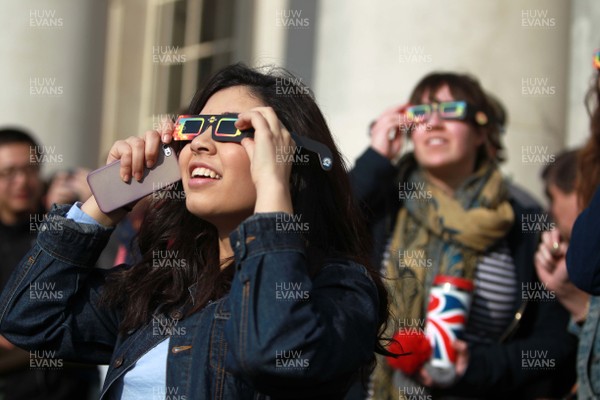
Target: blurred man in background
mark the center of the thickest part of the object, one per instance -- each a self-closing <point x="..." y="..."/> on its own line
<point x="21" y="191"/>
<point x="550" y="261"/>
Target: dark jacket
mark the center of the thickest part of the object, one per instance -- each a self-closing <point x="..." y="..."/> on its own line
<point x="22" y="376"/>
<point x="583" y="256"/>
<point x="278" y="332"/>
<point x="583" y="266"/>
<point x="498" y="370"/>
<point x="15" y="241"/>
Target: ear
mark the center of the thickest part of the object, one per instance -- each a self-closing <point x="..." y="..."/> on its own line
<point x="479" y="136"/>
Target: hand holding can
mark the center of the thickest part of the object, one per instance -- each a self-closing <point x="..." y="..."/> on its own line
<point x="449" y="304"/>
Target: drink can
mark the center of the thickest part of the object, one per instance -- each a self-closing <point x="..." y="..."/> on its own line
<point x="449" y="304"/>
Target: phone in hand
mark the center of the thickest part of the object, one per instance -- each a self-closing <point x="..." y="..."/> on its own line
<point x="111" y="192"/>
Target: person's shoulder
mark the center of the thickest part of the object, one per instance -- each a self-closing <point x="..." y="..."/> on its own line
<point x="341" y="264"/>
<point x="521" y="199"/>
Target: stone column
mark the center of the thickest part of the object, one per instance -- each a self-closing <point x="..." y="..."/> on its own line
<point x="52" y="65"/>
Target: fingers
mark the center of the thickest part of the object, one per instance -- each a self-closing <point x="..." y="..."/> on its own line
<point x="461" y="346"/>
<point x="542" y="264"/>
<point x="254" y="119"/>
<point x="268" y="166"/>
<point x="265" y="122"/>
<point x="395" y="110"/>
<point x="462" y="356"/>
<point x="552" y="242"/>
<point x="385" y="123"/>
<point x="551" y="247"/>
<point x="424" y="378"/>
<point x="385" y="132"/>
<point x="134" y="154"/>
<point x="269" y="132"/>
<point x="152" y="147"/>
<point x="165" y="129"/>
<point x="544" y="260"/>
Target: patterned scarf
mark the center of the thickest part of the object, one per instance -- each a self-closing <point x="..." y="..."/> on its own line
<point x="438" y="234"/>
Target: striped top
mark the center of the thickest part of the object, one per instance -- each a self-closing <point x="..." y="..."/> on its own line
<point x="494" y="297"/>
<point x="496" y="291"/>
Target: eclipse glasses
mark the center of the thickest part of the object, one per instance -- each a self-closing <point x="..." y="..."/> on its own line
<point x="187" y="127"/>
<point x="449" y="110"/>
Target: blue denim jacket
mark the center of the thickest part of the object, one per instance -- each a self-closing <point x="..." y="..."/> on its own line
<point x="253" y="343"/>
<point x="583" y="266"/>
<point x="588" y="353"/>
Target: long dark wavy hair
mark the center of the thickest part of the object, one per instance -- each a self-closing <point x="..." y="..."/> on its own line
<point x="323" y="198"/>
<point x="588" y="159"/>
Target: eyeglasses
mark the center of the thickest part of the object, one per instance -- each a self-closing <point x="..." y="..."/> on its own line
<point x="187" y="127"/>
<point x="597" y="59"/>
<point x="10" y="173"/>
<point x="449" y="110"/>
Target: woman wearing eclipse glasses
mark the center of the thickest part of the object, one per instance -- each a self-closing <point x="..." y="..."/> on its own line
<point x="448" y="235"/>
<point x="274" y="297"/>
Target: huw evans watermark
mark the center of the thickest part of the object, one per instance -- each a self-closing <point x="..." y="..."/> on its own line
<point x="291" y="291"/>
<point x="414" y="259"/>
<point x="285" y="222"/>
<point x="164" y="326"/>
<point x="45" y="86"/>
<point x="413" y="191"/>
<point x="291" y="19"/>
<point x="45" y="155"/>
<point x="44" y="291"/>
<point x="168" y="259"/>
<point x="290" y="359"/>
<point x="45" y="18"/>
<point x="44" y="359"/>
<point x="167" y="55"/>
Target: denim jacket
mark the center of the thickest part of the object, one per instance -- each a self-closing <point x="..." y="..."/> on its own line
<point x="583" y="266"/>
<point x="588" y="353"/>
<point x="277" y="334"/>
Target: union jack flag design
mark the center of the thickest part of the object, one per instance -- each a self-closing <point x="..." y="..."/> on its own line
<point x="446" y="319"/>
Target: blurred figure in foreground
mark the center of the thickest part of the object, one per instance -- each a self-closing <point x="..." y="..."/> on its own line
<point x="583" y="256"/>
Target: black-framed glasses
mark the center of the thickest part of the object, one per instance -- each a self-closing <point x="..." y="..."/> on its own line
<point x="187" y="127"/>
<point x="11" y="173"/>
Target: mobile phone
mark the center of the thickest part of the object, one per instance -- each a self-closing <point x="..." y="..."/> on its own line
<point x="111" y="192"/>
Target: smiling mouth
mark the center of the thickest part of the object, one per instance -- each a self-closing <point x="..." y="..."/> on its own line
<point x="201" y="172"/>
<point x="435" y="141"/>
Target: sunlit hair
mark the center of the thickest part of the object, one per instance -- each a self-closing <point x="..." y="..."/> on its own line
<point x="323" y="199"/>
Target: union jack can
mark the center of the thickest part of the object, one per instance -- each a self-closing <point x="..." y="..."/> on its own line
<point x="449" y="303"/>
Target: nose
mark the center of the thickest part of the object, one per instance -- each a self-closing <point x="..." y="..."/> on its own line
<point x="20" y="178"/>
<point x="204" y="142"/>
<point x="23" y="175"/>
<point x="434" y="119"/>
